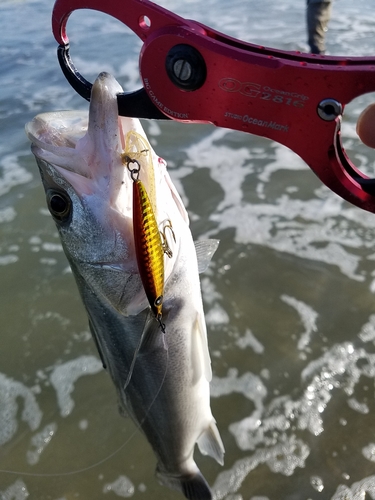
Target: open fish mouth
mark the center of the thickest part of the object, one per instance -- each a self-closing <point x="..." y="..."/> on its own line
<point x="68" y="128"/>
<point x="87" y="149"/>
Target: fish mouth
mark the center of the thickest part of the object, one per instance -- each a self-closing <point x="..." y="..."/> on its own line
<point x="87" y="148"/>
<point x="66" y="133"/>
<point x="68" y="128"/>
<point x="81" y="144"/>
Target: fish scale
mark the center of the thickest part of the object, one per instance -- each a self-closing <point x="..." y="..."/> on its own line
<point x="149" y="248"/>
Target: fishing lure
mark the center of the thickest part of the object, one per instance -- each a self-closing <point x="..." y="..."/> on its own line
<point x="148" y="242"/>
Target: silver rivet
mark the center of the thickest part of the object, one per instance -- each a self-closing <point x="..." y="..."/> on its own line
<point x="329" y="109"/>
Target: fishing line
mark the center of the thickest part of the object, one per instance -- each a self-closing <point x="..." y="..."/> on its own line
<point x="85" y="469"/>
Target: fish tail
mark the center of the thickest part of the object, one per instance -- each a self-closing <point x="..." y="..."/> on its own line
<point x="196" y="488"/>
<point x="193" y="486"/>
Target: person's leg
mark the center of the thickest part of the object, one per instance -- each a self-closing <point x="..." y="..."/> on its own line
<point x="318" y="16"/>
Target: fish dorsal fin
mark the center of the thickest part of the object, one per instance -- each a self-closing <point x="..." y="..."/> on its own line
<point x="205" y="250"/>
<point x="210" y="443"/>
<point x="201" y="362"/>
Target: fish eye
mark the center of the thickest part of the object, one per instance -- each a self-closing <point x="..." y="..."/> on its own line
<point x="59" y="204"/>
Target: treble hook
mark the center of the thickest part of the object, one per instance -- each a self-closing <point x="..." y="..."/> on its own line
<point x="166" y="247"/>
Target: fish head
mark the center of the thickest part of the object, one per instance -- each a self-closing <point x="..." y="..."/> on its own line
<point x="89" y="187"/>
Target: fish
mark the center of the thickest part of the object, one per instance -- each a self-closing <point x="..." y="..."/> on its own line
<point x="162" y="380"/>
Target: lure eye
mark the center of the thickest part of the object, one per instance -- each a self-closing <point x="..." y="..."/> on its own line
<point x="59" y="204"/>
<point x="158" y="302"/>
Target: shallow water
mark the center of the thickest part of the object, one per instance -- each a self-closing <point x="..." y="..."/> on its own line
<point x="289" y="296"/>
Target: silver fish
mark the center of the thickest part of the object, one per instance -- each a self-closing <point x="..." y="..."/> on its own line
<point x="162" y="379"/>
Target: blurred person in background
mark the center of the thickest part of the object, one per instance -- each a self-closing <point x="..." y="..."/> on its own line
<point x="318" y="16"/>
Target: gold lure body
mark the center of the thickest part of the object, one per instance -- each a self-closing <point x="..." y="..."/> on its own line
<point x="149" y="247"/>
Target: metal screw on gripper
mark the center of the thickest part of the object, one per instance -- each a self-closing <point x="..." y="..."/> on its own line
<point x="182" y="69"/>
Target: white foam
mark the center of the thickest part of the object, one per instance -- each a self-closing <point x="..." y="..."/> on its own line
<point x="129" y="71"/>
<point x="248" y="384"/>
<point x="249" y="340"/>
<point x="5" y="260"/>
<point x="217" y="316"/>
<point x="308" y="318"/>
<point x="318" y="226"/>
<point x="39" y="442"/>
<point x="56" y="96"/>
<point x="64" y="376"/>
<point x="209" y="292"/>
<point x="122" y="487"/>
<point x="282" y="458"/>
<point x="356" y="405"/>
<point x="11" y="172"/>
<point x="228" y="166"/>
<point x="17" y="491"/>
<point x="83" y="424"/>
<point x="51" y="316"/>
<point x="253" y="388"/>
<point x="7" y="214"/>
<point x="274" y="226"/>
<point x="367" y="333"/>
<point x="153" y="128"/>
<point x="52" y="247"/>
<point x="272" y="426"/>
<point x="317" y="483"/>
<point x="48" y="262"/>
<point x="369" y="452"/>
<point x="285" y="159"/>
<point x="358" y="491"/>
<point x="10" y="392"/>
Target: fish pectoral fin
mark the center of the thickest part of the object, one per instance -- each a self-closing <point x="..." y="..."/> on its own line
<point x="96" y="341"/>
<point x="153" y="337"/>
<point x="138" y="303"/>
<point x="210" y="443"/>
<point x="205" y="250"/>
<point x="200" y="354"/>
<point x="193" y="485"/>
<point x="121" y="408"/>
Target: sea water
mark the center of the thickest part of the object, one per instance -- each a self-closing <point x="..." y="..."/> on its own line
<point x="289" y="296"/>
